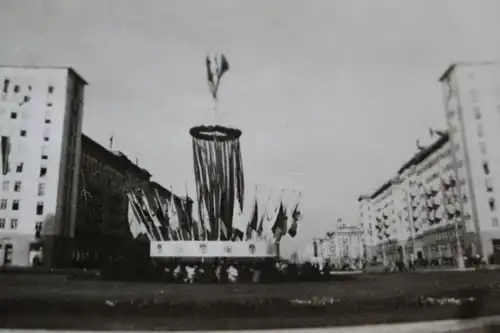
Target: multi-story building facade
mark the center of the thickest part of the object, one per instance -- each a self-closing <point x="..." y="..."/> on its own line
<point x="382" y="222"/>
<point x="471" y="94"/>
<point x="102" y="227"/>
<point x="41" y="111"/>
<point x="435" y="214"/>
<point x="423" y="210"/>
<point x="449" y="188"/>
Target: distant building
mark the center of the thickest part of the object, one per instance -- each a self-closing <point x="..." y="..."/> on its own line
<point x="471" y="93"/>
<point x="343" y="243"/>
<point x="41" y="111"/>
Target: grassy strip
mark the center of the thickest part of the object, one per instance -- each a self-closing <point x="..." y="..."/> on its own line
<point x="245" y="307"/>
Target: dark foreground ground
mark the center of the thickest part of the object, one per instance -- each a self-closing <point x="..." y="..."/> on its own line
<point x="55" y="302"/>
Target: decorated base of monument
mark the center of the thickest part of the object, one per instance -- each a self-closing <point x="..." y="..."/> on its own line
<point x="213" y="249"/>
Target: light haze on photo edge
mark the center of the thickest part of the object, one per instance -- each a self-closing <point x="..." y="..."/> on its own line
<point x="330" y="95"/>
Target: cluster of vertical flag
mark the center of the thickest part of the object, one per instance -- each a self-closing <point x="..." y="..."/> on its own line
<point x="158" y="218"/>
<point x="163" y="219"/>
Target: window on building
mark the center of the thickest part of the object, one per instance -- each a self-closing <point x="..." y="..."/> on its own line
<point x="486" y="168"/>
<point x="49" y="104"/>
<point x="39" y="208"/>
<point x="495" y="222"/>
<point x="43" y="171"/>
<point x="480" y="130"/>
<point x="491" y="202"/>
<point x="22" y="133"/>
<point x="38" y="229"/>
<point x="3" y="204"/>
<point x="5" y="185"/>
<point x="15" y="204"/>
<point x="51" y="89"/>
<point x="41" y="189"/>
<point x="17" y="186"/>
<point x="46" y="138"/>
<point x="47" y="121"/>
<point x="6" y="83"/>
<point x="45" y="157"/>
<point x="13" y="115"/>
<point x="17" y="88"/>
<point x="482" y="147"/>
<point x="13" y="223"/>
<point x="489" y="185"/>
<point x="19" y="167"/>
<point x="2" y="223"/>
<point x="477" y="112"/>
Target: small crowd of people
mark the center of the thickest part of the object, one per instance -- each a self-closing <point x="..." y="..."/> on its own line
<point x="244" y="272"/>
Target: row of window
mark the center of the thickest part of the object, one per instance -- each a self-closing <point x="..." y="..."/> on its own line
<point x="17" y="88"/>
<point x="14" y="115"/>
<point x="24" y="133"/>
<point x="18" y="187"/>
<point x="20" y="168"/>
<point x="14" y="222"/>
<point x="16" y="203"/>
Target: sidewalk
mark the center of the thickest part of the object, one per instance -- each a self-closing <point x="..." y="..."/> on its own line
<point x="478" y="325"/>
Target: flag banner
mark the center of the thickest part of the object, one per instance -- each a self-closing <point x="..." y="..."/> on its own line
<point x="237" y="235"/>
<point x="213" y="249"/>
<point x="218" y="170"/>
<point x="253" y="224"/>
<point x="280" y="223"/>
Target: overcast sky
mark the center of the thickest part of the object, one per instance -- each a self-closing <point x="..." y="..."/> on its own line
<point x="331" y="95"/>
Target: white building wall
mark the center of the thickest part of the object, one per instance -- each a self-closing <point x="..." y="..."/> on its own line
<point x="472" y="104"/>
<point x="44" y="118"/>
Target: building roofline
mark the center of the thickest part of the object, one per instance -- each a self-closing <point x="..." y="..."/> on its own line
<point x="363" y="197"/>
<point x="68" y="68"/>
<point x="448" y="70"/>
<point x="381" y="189"/>
<point x="424" y="153"/>
<point x="120" y="155"/>
<point x="416" y="159"/>
<point x="452" y="66"/>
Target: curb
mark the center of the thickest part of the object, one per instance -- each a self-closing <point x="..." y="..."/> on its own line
<point x="440" y="326"/>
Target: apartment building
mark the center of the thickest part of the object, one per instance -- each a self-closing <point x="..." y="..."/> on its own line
<point x="423" y="209"/>
<point x="41" y="111"/>
<point x="435" y="209"/>
<point x="451" y="187"/>
<point x="102" y="228"/>
<point x="471" y="95"/>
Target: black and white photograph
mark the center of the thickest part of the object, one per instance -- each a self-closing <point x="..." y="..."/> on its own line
<point x="250" y="165"/>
